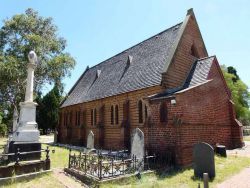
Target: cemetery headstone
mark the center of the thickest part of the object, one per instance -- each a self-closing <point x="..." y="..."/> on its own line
<point x="90" y="140"/>
<point x="203" y="158"/>
<point x="137" y="147"/>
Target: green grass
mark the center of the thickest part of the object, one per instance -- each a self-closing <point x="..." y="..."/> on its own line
<point x="225" y="167"/>
<point x="60" y="158"/>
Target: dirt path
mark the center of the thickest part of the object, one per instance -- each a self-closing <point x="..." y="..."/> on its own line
<point x="66" y="180"/>
<point x="241" y="180"/>
<point x="244" y="152"/>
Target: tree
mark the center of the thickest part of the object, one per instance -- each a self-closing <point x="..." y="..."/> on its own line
<point x="3" y="127"/>
<point x="48" y="109"/>
<point x="19" y="35"/>
<point x="240" y="94"/>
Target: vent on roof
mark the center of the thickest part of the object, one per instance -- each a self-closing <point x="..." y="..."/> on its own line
<point x="98" y="72"/>
<point x="129" y="61"/>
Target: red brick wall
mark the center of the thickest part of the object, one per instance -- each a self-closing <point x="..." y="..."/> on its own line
<point x="205" y="114"/>
<point x="113" y="135"/>
<point x="183" y="60"/>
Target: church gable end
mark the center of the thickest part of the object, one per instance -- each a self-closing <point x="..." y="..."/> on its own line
<point x="190" y="47"/>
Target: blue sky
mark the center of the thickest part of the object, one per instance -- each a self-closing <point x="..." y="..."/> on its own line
<point x="96" y="30"/>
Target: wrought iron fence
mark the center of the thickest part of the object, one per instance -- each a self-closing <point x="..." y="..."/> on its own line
<point x="102" y="166"/>
<point x="5" y="157"/>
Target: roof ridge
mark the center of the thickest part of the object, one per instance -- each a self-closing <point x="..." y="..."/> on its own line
<point x="136" y="45"/>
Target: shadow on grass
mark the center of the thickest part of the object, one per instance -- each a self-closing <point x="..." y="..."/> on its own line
<point x="171" y="172"/>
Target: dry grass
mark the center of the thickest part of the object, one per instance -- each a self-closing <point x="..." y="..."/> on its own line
<point x="225" y="167"/>
<point x="41" y="181"/>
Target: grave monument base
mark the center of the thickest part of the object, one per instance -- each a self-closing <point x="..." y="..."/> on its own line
<point x="25" y="147"/>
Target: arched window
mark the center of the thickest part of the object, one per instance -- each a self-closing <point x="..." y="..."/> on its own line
<point x="140" y="114"/>
<point x="92" y="117"/>
<point x="194" y="51"/>
<point x="112" y="115"/>
<point x="116" y="114"/>
<point x="163" y="112"/>
<point x="76" y="118"/>
<point x="95" y="117"/>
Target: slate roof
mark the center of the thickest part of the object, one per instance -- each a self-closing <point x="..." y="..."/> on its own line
<point x="197" y="75"/>
<point x="116" y="75"/>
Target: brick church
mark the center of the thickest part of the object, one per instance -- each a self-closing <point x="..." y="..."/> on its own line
<point x="167" y="85"/>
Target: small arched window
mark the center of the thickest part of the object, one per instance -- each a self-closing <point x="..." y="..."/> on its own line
<point x="140" y="114"/>
<point x="163" y="112"/>
<point x="112" y="115"/>
<point x="116" y="114"/>
<point x="194" y="51"/>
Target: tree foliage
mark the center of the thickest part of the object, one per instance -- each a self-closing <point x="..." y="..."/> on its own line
<point x="48" y="109"/>
<point x="3" y="127"/>
<point x="19" y="35"/>
<point x="240" y="94"/>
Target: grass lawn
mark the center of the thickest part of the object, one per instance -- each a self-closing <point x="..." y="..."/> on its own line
<point x="60" y="158"/>
<point x="41" y="181"/>
<point x="225" y="167"/>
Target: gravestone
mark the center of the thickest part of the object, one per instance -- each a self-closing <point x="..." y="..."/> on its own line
<point x="203" y="158"/>
<point x="137" y="147"/>
<point x="90" y="140"/>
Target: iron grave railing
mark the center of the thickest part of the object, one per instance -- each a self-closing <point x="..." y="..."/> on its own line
<point x="102" y="166"/>
<point x="6" y="158"/>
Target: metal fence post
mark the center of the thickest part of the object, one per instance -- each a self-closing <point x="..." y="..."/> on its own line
<point x="205" y="180"/>
<point x="47" y="153"/>
<point x="100" y="166"/>
<point x="17" y="155"/>
<point x="85" y="163"/>
<point x="80" y="154"/>
<point x="112" y="166"/>
<point x="69" y="158"/>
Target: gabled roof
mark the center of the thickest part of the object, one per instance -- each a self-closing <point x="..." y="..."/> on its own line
<point x="197" y="75"/>
<point x="138" y="67"/>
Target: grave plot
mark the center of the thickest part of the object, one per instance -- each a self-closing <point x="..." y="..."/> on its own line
<point x="102" y="165"/>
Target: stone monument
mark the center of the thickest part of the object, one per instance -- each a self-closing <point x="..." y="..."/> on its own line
<point x="137" y="147"/>
<point x="25" y="133"/>
<point x="203" y="158"/>
<point x="90" y="140"/>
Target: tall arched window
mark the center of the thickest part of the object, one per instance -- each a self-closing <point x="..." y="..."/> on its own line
<point x="95" y="117"/>
<point x="140" y="113"/>
<point x="116" y="114"/>
<point x="163" y="112"/>
<point x="92" y="117"/>
<point x="112" y="115"/>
